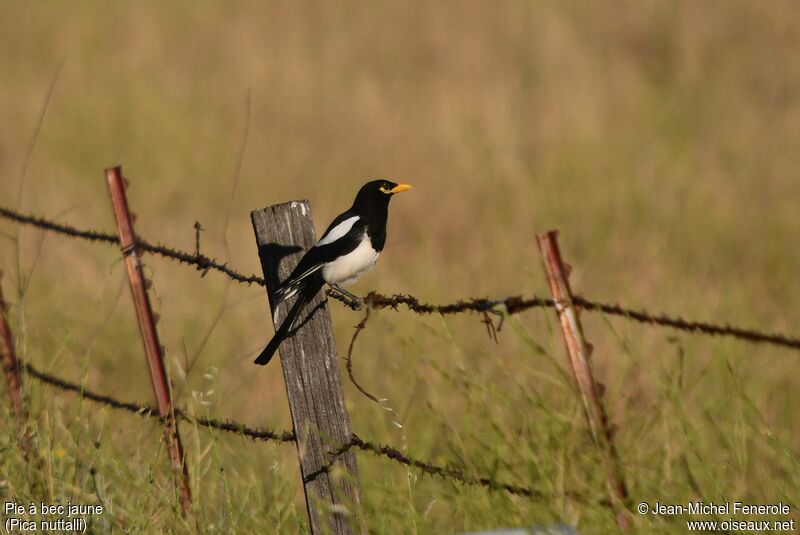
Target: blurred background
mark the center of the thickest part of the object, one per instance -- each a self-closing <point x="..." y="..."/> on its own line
<point x="659" y="137"/>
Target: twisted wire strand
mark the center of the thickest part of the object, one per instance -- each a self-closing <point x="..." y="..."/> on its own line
<point x="199" y="261"/>
<point x="231" y="426"/>
<point x="152" y="412"/>
<point x="662" y="320"/>
<point x="509" y="305"/>
<point x="440" y="471"/>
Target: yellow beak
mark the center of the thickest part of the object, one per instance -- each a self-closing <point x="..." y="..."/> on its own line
<point x="400" y="187"/>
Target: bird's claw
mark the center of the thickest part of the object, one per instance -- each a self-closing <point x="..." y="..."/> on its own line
<point x="356" y="303"/>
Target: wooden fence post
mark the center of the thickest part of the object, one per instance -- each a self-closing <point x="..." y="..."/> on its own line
<point x="13" y="378"/>
<point x="579" y="352"/>
<point x="311" y="373"/>
<point x="147" y="328"/>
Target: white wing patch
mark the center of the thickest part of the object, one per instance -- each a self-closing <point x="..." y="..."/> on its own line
<point x="338" y="231"/>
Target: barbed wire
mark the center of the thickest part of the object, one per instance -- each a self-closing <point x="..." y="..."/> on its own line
<point x="59" y="228"/>
<point x="508" y="305"/>
<point x="231" y="426"/>
<point x="499" y="307"/>
<point x="663" y="320"/>
<point x="517" y="304"/>
<point x="199" y="261"/>
<point x="444" y="472"/>
<point x="152" y="412"/>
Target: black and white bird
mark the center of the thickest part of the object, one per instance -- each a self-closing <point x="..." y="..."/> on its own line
<point x="348" y="248"/>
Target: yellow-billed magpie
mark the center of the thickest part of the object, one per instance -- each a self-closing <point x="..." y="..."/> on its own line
<point x="348" y="248"/>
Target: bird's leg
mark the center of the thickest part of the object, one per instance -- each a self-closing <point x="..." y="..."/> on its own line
<point x="356" y="301"/>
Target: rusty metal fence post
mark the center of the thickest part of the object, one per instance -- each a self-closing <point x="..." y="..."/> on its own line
<point x="147" y="328"/>
<point x="311" y="374"/>
<point x="13" y="377"/>
<point x="579" y="352"/>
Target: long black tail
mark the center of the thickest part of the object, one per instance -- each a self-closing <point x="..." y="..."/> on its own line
<point x="306" y="295"/>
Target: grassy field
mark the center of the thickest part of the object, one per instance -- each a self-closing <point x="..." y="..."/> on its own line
<point x="660" y="137"/>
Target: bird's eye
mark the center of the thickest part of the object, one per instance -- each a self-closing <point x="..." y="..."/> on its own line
<point x="385" y="187"/>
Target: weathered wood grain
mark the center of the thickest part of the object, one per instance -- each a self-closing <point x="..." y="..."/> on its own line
<point x="311" y="373"/>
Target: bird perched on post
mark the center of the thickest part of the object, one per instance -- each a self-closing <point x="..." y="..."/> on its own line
<point x="348" y="248"/>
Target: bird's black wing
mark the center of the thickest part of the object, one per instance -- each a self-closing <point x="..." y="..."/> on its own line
<point x="342" y="237"/>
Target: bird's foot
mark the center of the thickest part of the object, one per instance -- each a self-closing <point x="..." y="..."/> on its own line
<point x="352" y="301"/>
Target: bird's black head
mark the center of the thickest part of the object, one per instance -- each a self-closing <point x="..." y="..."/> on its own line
<point x="377" y="193"/>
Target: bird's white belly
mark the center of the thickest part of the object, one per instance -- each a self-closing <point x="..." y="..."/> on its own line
<point x="346" y="269"/>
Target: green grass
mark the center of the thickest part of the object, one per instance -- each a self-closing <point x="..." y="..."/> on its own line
<point x="660" y="138"/>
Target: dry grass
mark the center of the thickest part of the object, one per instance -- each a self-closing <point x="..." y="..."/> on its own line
<point x="660" y="138"/>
